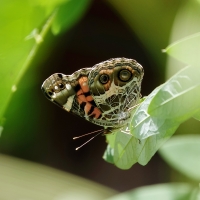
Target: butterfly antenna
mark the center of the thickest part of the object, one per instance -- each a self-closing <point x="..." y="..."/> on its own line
<point x="89" y="140"/>
<point x="74" y="138"/>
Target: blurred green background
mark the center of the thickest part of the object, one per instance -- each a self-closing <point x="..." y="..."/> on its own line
<point x="39" y="38"/>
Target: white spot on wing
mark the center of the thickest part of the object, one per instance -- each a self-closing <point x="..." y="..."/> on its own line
<point x="69" y="103"/>
<point x="68" y="86"/>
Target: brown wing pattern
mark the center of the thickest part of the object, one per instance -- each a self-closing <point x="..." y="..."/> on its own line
<point x="101" y="94"/>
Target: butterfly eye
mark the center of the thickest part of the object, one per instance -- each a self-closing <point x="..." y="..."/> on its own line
<point x="60" y="75"/>
<point x="104" y="78"/>
<point x="50" y="93"/>
<point x="61" y="85"/>
<point x="124" y="75"/>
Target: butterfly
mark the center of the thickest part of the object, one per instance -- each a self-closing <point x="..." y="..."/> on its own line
<point x="103" y="94"/>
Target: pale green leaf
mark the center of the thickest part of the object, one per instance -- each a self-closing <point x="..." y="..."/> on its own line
<point x="130" y="150"/>
<point x="144" y="125"/>
<point x="169" y="104"/>
<point x="173" y="191"/>
<point x="25" y="180"/>
<point x="108" y="155"/>
<point x="179" y="97"/>
<point x="197" y="115"/>
<point x="183" y="153"/>
<point x="186" y="50"/>
<point x="109" y="152"/>
<point x="151" y="131"/>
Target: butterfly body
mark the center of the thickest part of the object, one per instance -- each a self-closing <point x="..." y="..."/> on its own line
<point x="102" y="94"/>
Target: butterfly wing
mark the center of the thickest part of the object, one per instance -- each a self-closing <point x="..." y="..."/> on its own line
<point x="101" y="94"/>
<point x="115" y="86"/>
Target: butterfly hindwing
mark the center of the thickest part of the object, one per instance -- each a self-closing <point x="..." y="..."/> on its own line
<point x="102" y="94"/>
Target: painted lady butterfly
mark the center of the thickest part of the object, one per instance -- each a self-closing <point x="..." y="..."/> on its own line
<point x="103" y="94"/>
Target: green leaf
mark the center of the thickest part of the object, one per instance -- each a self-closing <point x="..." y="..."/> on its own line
<point x="186" y="50"/>
<point x="183" y="153"/>
<point x="23" y="26"/>
<point x="1" y="129"/>
<point x="168" y="106"/>
<point x="68" y="14"/>
<point x="49" y="4"/>
<point x="19" y="41"/>
<point x="144" y="125"/>
<point x="129" y="150"/>
<point x="125" y="154"/>
<point x="152" y="133"/>
<point x="179" y="97"/>
<point x="173" y="191"/>
<point x="197" y="116"/>
<point x="109" y="154"/>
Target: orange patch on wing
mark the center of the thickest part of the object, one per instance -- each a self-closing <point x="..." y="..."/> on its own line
<point x="81" y="98"/>
<point x="83" y="81"/>
<point x="97" y="112"/>
<point x="89" y="98"/>
<point x="107" y="85"/>
<point x="87" y="107"/>
<point x="80" y="92"/>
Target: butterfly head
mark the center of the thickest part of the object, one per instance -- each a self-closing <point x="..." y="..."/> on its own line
<point x="56" y="89"/>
